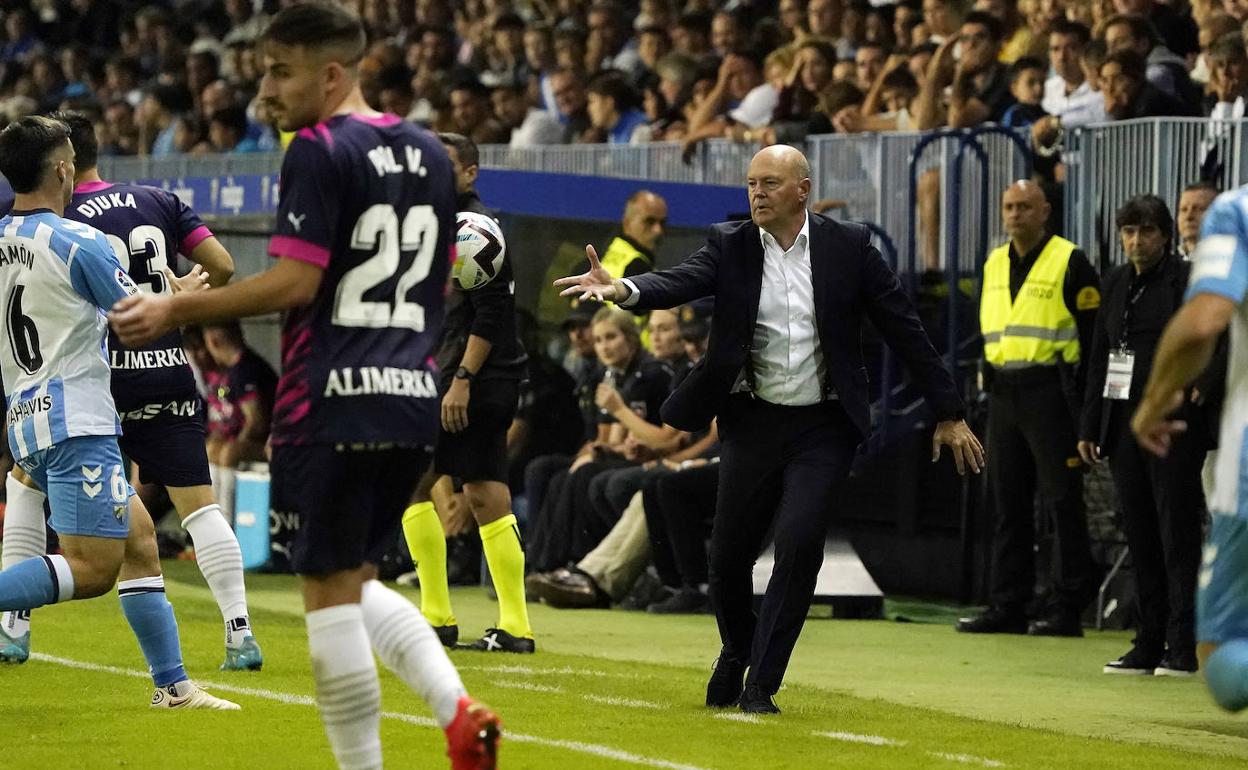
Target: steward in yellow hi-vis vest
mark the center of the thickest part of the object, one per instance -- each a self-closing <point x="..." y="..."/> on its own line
<point x="624" y="258"/>
<point x="1036" y="328"/>
<point x="1037" y="313"/>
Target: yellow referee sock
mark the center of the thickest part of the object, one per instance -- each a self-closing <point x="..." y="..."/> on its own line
<point x="501" y="541"/>
<point x="427" y="544"/>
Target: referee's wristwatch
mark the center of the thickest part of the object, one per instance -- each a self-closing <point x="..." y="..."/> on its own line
<point x="462" y="373"/>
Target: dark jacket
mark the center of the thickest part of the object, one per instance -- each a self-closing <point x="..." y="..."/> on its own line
<point x="1160" y="296"/>
<point x="852" y="283"/>
<point x="488" y="312"/>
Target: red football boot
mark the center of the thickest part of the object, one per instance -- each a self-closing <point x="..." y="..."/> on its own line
<point x="472" y="737"/>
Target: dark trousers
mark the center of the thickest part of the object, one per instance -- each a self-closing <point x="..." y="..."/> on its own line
<point x="1161" y="502"/>
<point x="781" y="465"/>
<point x="1031" y="442"/>
<point x="680" y="507"/>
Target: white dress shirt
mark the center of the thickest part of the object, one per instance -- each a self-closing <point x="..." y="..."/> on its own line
<point x="788" y="361"/>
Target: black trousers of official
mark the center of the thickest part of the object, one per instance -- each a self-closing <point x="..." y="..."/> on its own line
<point x="1161" y="502"/>
<point x="781" y="465"/>
<point x="1031" y="441"/>
<point x="680" y="508"/>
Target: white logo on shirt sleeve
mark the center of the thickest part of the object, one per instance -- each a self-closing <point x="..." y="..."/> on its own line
<point x="123" y="280"/>
<point x="296" y="221"/>
<point x="1214" y="258"/>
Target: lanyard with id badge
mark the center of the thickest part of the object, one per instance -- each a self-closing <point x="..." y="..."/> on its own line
<point x="1122" y="358"/>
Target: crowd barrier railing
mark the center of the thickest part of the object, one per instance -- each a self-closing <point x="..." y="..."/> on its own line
<point x="1107" y="164"/>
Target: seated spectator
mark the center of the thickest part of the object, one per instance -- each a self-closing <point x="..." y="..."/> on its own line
<point x="1027" y="88"/>
<point x="653" y="43"/>
<point x="1128" y="94"/>
<point x="1165" y="71"/>
<point x="740" y="97"/>
<point x="563" y="530"/>
<point x="528" y="125"/>
<point x="227" y="131"/>
<point x="869" y="61"/>
<point x="471" y="115"/>
<point x="1228" y="77"/>
<point x="615" y="495"/>
<point x="20" y="40"/>
<point x="889" y="105"/>
<point x="980" y="84"/>
<point x="692" y="34"/>
<point x="614" y="110"/>
<point x="609" y="45"/>
<point x="160" y="112"/>
<point x="942" y="19"/>
<point x="728" y="33"/>
<point x="571" y="102"/>
<point x="245" y="394"/>
<point x="580" y="361"/>
<point x="118" y="133"/>
<point x="1017" y="40"/>
<point x="1176" y="28"/>
<point x="1069" y="94"/>
<point x="1212" y="28"/>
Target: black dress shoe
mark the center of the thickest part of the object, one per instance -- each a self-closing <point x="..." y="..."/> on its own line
<point x="755" y="701"/>
<point x="1056" y="624"/>
<point x="994" y="620"/>
<point x="724" y="688"/>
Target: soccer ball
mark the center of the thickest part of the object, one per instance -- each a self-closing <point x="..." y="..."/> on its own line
<point x="479" y="250"/>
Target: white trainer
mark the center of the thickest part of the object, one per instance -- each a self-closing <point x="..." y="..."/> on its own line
<point x="186" y="695"/>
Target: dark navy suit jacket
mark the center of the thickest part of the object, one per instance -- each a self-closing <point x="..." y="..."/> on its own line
<point x="852" y="282"/>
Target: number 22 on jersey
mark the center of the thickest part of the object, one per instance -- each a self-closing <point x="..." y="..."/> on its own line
<point x="378" y="228"/>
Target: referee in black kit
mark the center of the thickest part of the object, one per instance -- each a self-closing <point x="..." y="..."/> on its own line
<point x="481" y="361"/>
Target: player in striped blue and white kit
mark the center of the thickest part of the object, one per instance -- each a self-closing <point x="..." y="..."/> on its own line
<point x="1216" y="299"/>
<point x="56" y="279"/>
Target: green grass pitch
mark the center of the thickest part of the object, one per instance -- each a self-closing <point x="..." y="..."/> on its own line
<point x="610" y="689"/>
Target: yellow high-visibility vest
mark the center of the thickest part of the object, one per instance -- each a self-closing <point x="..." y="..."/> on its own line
<point x="620" y="254"/>
<point x="1035" y="328"/>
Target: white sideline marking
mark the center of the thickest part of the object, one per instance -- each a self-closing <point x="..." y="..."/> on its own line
<point x="526" y="670"/>
<point x="529" y="686"/>
<point x="753" y="719"/>
<point x="874" y="740"/>
<point x="967" y="759"/>
<point x="291" y="699"/>
<point x="611" y="700"/>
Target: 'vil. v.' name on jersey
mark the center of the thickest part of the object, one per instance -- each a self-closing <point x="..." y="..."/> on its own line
<point x="372" y="201"/>
<point x="147" y="228"/>
<point x="58" y="278"/>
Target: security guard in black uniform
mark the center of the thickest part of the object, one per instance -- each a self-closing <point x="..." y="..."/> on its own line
<point x="1037" y="313"/>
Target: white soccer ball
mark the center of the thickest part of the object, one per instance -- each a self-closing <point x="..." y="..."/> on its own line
<point x="479" y="250"/>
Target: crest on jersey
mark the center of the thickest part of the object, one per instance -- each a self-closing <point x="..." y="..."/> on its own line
<point x="123" y="280"/>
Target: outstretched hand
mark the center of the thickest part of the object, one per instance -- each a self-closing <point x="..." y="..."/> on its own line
<point x="141" y="318"/>
<point x="596" y="283"/>
<point x="959" y="437"/>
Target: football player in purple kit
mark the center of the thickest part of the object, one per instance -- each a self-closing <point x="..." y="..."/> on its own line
<point x="161" y="413"/>
<point x="364" y="228"/>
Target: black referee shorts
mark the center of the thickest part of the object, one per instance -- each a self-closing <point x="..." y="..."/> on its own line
<point x="479" y="452"/>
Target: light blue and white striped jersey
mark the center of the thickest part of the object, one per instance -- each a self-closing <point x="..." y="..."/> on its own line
<point x="58" y="278"/>
<point x="1221" y="267"/>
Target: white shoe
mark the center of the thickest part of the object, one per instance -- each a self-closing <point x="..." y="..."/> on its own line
<point x="186" y="695"/>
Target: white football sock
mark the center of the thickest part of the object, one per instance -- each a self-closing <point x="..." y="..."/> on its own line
<point x="408" y="646"/>
<point x="25" y="537"/>
<point x="348" y="693"/>
<point x="223" y="489"/>
<point x="221" y="562"/>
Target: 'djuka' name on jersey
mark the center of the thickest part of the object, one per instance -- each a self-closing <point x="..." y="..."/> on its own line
<point x="384" y="161"/>
<point x="147" y="359"/>
<point x="34" y="406"/>
<point x="93" y="207"/>
<point x="378" y="380"/>
<point x="17" y="255"/>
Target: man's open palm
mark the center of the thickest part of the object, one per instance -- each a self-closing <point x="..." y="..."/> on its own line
<point x="594" y="284"/>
